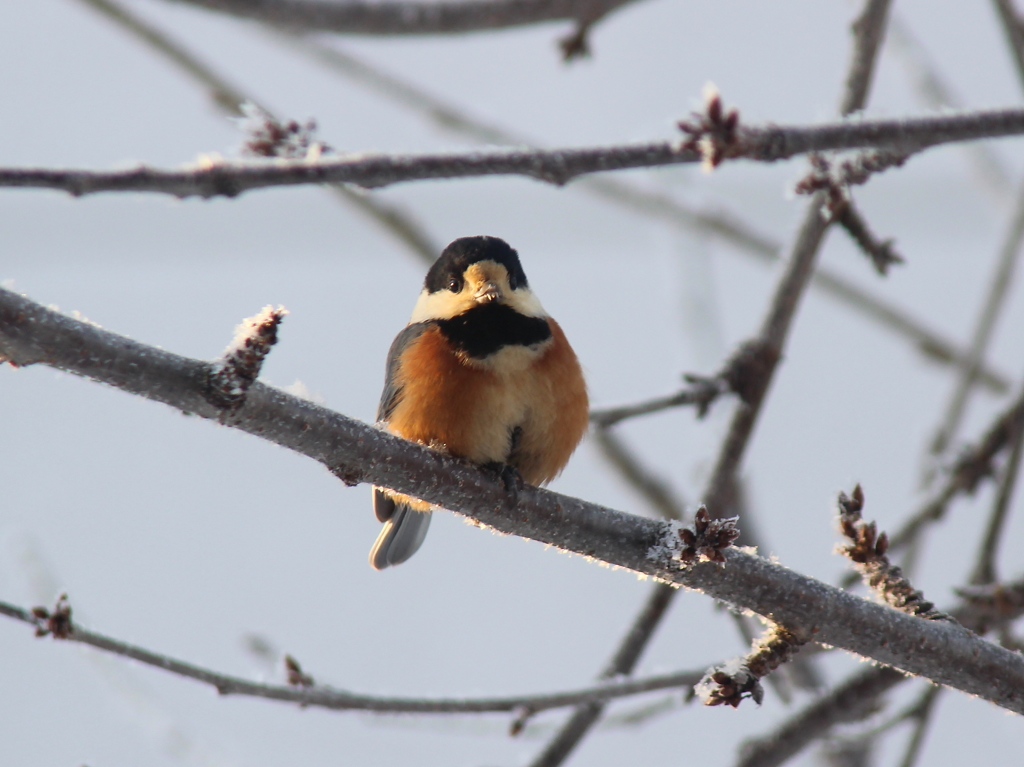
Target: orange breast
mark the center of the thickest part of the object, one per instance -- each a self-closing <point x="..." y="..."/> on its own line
<point x="470" y="411"/>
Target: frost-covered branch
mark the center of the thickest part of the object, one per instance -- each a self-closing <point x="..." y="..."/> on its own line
<point x="393" y="17"/>
<point x="980" y="610"/>
<point x="235" y="103"/>
<point x="239" y="365"/>
<point x="356" y="452"/>
<point x="302" y="691"/>
<point x="730" y="683"/>
<point x="213" y="177"/>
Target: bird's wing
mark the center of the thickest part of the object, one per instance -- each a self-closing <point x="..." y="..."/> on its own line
<point x="392" y="391"/>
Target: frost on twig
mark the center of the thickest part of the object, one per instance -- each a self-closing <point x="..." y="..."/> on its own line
<point x="740" y="678"/>
<point x="712" y="133"/>
<point x="704" y="542"/>
<point x="835" y="180"/>
<point x="239" y="365"/>
<point x="55" y="622"/>
<point x="867" y="551"/>
<point x="270" y="137"/>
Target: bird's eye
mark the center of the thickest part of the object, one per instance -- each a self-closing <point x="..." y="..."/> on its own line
<point x="454" y="284"/>
<point x="512" y="283"/>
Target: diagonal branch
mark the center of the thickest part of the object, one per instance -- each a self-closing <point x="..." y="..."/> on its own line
<point x="392" y="17"/>
<point x="857" y="696"/>
<point x="720" y="495"/>
<point x="321" y="696"/>
<point x="769" y="143"/>
<point x="231" y="101"/>
<point x="945" y="653"/>
<point x="992" y="306"/>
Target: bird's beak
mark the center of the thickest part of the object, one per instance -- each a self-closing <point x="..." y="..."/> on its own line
<point x="488" y="292"/>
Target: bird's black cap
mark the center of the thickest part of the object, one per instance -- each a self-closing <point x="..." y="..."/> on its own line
<point x="454" y="260"/>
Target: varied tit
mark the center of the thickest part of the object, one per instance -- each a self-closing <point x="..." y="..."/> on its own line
<point x="480" y="372"/>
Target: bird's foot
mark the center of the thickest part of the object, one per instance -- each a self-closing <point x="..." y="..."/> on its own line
<point x="510" y="479"/>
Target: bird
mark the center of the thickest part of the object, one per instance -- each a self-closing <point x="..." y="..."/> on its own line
<point x="480" y="372"/>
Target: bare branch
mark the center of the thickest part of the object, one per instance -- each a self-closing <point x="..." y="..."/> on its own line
<point x="231" y="100"/>
<point x="981" y="610"/>
<point x="213" y="177"/>
<point x="655" y="491"/>
<point x="1014" y="33"/>
<point x="648" y="203"/>
<point x="223" y="94"/>
<point x="934" y="91"/>
<point x="392" y="17"/>
<point x="868" y="32"/>
<point x="835" y="183"/>
<point x="972" y="466"/>
<point x="921" y="715"/>
<point x="991" y="307"/>
<point x="719" y="496"/>
<point x="356" y="452"/>
<point x="985" y="570"/>
<point x="849" y="702"/>
<point x="302" y="691"/>
<point x="626" y="656"/>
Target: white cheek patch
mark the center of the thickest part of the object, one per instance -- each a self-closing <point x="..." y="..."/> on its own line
<point x="527" y="304"/>
<point x="441" y="305"/>
<point x="444" y="304"/>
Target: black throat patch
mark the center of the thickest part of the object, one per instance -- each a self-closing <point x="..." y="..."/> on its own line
<point x="485" y="329"/>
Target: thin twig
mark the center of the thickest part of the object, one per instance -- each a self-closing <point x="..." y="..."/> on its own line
<point x="973" y="466"/>
<point x="992" y="306"/>
<point x="622" y="663"/>
<point x="921" y="715"/>
<point x="646" y="202"/>
<point x="656" y="491"/>
<point x="985" y="570"/>
<point x="394" y="17"/>
<point x="321" y="696"/>
<point x="230" y="100"/>
<point x="934" y="91"/>
<point x="356" y="452"/>
<point x="213" y="176"/>
<point x="851" y="701"/>
<point x="1011" y="24"/>
<point x="868" y="33"/>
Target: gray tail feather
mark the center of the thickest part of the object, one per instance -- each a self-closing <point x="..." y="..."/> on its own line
<point x="401" y="537"/>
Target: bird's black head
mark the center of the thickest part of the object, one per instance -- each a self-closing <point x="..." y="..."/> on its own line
<point x="451" y="265"/>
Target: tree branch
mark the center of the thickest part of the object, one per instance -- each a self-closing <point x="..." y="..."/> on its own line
<point x="652" y="204"/>
<point x="231" y="100"/>
<point x="215" y="177"/>
<point x="411" y="18"/>
<point x="945" y="653"/>
<point x="321" y="696"/>
<point x="857" y="697"/>
<point x="992" y="306"/>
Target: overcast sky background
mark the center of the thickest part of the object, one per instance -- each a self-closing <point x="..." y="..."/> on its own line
<point x="185" y="537"/>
